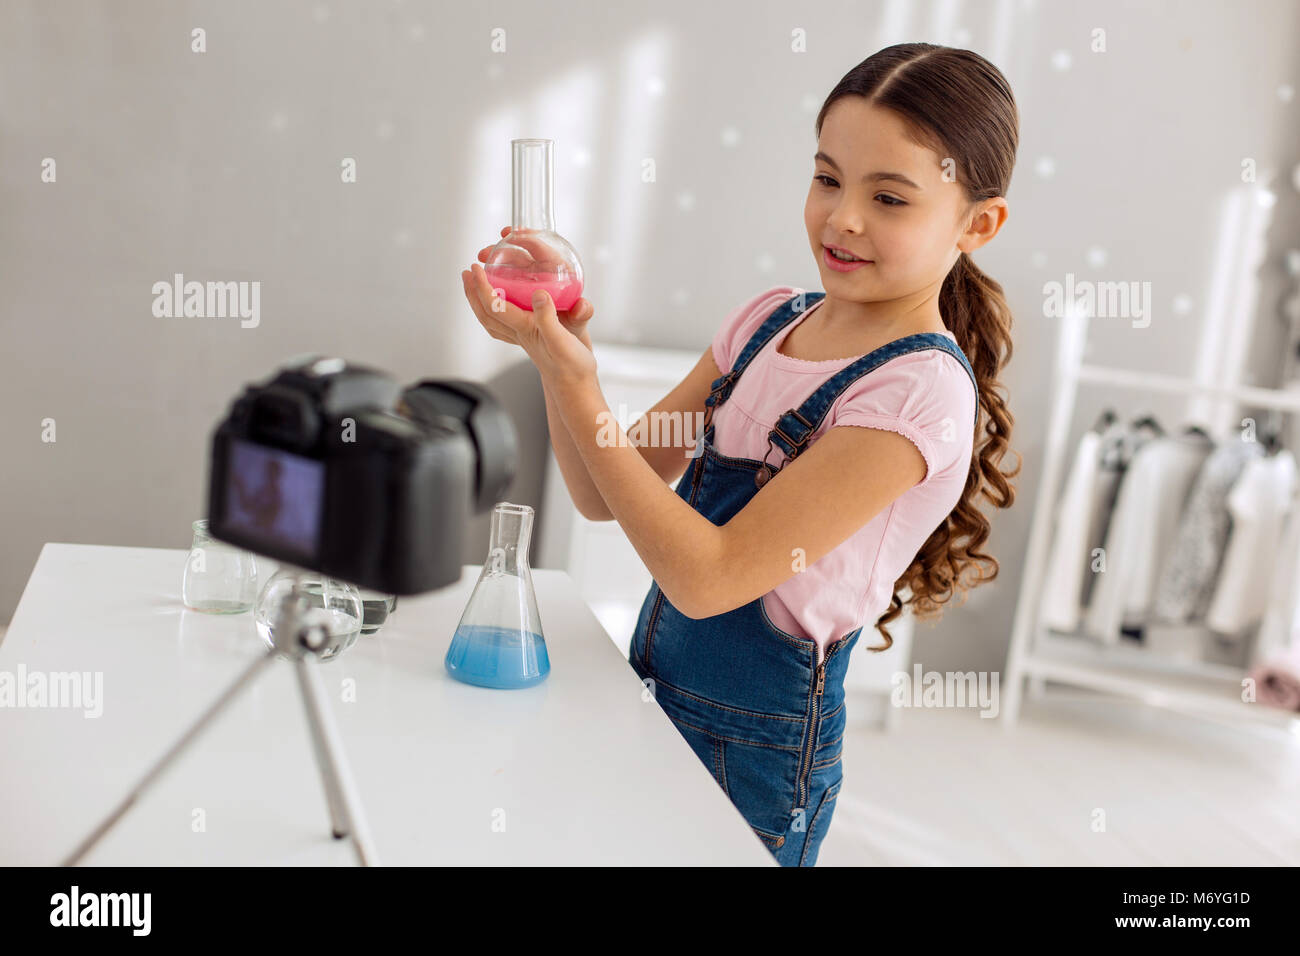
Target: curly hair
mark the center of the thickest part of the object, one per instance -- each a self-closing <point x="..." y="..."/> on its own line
<point x="959" y="105"/>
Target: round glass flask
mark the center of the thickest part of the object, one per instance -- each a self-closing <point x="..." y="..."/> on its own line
<point x="332" y="605"/>
<point x="533" y="255"/>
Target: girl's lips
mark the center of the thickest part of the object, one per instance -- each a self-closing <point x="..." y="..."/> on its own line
<point x="839" y="266"/>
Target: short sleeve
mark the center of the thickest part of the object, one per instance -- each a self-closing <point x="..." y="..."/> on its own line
<point x="743" y="322"/>
<point x="927" y="397"/>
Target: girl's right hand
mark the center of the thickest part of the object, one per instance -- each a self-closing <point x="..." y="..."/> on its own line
<point x="574" y="319"/>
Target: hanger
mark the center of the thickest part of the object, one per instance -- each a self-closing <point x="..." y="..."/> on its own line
<point x="1147" y="421"/>
<point x="1270" y="433"/>
<point x="1105" y="420"/>
<point x="1195" y="431"/>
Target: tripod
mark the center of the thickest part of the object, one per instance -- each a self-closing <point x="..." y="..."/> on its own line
<point x="302" y="643"/>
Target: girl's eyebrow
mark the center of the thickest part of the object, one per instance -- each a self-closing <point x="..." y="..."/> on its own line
<point x="895" y="177"/>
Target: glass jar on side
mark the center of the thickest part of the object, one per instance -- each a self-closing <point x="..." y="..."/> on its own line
<point x="219" y="578"/>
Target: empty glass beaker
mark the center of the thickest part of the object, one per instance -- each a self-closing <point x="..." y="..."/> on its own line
<point x="336" y="605"/>
<point x="219" y="578"/>
<point x="377" y="606"/>
<point x="533" y="255"/>
<point x="499" y="641"/>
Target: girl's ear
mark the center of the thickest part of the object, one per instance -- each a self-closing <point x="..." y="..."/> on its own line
<point x="985" y="224"/>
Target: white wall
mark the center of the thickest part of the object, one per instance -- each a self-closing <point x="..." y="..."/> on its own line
<point x="225" y="165"/>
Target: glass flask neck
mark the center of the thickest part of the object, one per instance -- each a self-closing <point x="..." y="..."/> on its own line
<point x="534" y="185"/>
<point x="512" y="527"/>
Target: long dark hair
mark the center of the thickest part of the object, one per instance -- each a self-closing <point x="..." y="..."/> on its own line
<point x="958" y="104"/>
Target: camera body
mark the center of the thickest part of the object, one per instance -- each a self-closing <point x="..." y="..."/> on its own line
<point x="334" y="468"/>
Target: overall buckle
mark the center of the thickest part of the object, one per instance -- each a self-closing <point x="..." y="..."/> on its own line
<point x="796" y="446"/>
<point x="766" y="471"/>
<point x="723" y="384"/>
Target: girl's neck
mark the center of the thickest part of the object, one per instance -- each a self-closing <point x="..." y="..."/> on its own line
<point x="843" y="320"/>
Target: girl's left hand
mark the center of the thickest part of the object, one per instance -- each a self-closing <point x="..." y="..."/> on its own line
<point x="560" y="356"/>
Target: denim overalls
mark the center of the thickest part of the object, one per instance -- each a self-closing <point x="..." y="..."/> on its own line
<point x="751" y="699"/>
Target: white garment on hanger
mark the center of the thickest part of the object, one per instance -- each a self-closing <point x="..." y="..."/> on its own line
<point x="1258" y="504"/>
<point x="1280" y="628"/>
<point x="1142" y="530"/>
<point x="1119" y="443"/>
<point x="1063" y="582"/>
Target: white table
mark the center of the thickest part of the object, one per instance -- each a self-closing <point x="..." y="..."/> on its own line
<point x="578" y="770"/>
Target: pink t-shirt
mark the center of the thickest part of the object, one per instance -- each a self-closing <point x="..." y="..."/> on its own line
<point x="926" y="396"/>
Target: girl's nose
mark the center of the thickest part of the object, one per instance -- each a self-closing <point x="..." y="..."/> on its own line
<point x="846" y="218"/>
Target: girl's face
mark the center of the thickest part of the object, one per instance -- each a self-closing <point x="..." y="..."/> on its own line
<point x="859" y="202"/>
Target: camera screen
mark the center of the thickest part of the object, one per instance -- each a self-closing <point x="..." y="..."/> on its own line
<point x="275" y="496"/>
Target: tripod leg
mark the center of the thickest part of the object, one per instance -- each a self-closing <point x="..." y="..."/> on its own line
<point x="242" y="681"/>
<point x="313" y="699"/>
<point x="340" y="791"/>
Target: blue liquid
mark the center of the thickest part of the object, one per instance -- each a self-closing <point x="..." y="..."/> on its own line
<point x="497" y="657"/>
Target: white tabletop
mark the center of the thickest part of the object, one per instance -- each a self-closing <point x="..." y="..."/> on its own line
<point x="577" y="770"/>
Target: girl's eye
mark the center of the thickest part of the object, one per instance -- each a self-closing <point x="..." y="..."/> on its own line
<point x="831" y="183"/>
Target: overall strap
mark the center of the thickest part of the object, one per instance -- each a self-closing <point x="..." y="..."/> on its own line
<point x="795" y="428"/>
<point x="782" y="316"/>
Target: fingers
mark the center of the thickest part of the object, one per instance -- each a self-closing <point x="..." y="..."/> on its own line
<point x="484" y="252"/>
<point x="481" y="287"/>
<point x="490" y="308"/>
<point x="472" y="291"/>
<point x="538" y="251"/>
<point x="479" y="294"/>
<point x="580" y="311"/>
<point x="543" y="253"/>
<point x="472" y="294"/>
<point x="513" y="325"/>
<point x="544" y="311"/>
<point x="524" y="251"/>
<point x="496" y="311"/>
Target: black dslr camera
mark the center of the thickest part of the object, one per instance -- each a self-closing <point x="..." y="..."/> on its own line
<point x="335" y="468"/>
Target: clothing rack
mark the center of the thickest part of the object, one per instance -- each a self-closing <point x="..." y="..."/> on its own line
<point x="1037" y="654"/>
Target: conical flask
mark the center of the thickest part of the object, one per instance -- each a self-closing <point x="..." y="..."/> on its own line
<point x="533" y="255"/>
<point x="499" y="641"/>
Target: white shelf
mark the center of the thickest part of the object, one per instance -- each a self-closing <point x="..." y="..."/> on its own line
<point x="1200" y="690"/>
<point x="1084" y="648"/>
<point x="1192" y="686"/>
<point x="1282" y="399"/>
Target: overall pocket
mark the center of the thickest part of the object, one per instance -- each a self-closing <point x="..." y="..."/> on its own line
<point x="761" y="782"/>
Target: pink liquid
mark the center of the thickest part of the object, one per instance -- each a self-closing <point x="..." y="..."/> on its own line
<point x="520" y="286"/>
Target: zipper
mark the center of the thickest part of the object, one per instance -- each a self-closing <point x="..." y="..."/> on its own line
<point x="697" y="469"/>
<point x="650" y="626"/>
<point x="814" y="727"/>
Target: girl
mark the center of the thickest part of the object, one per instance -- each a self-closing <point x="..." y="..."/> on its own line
<point x="840" y="456"/>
